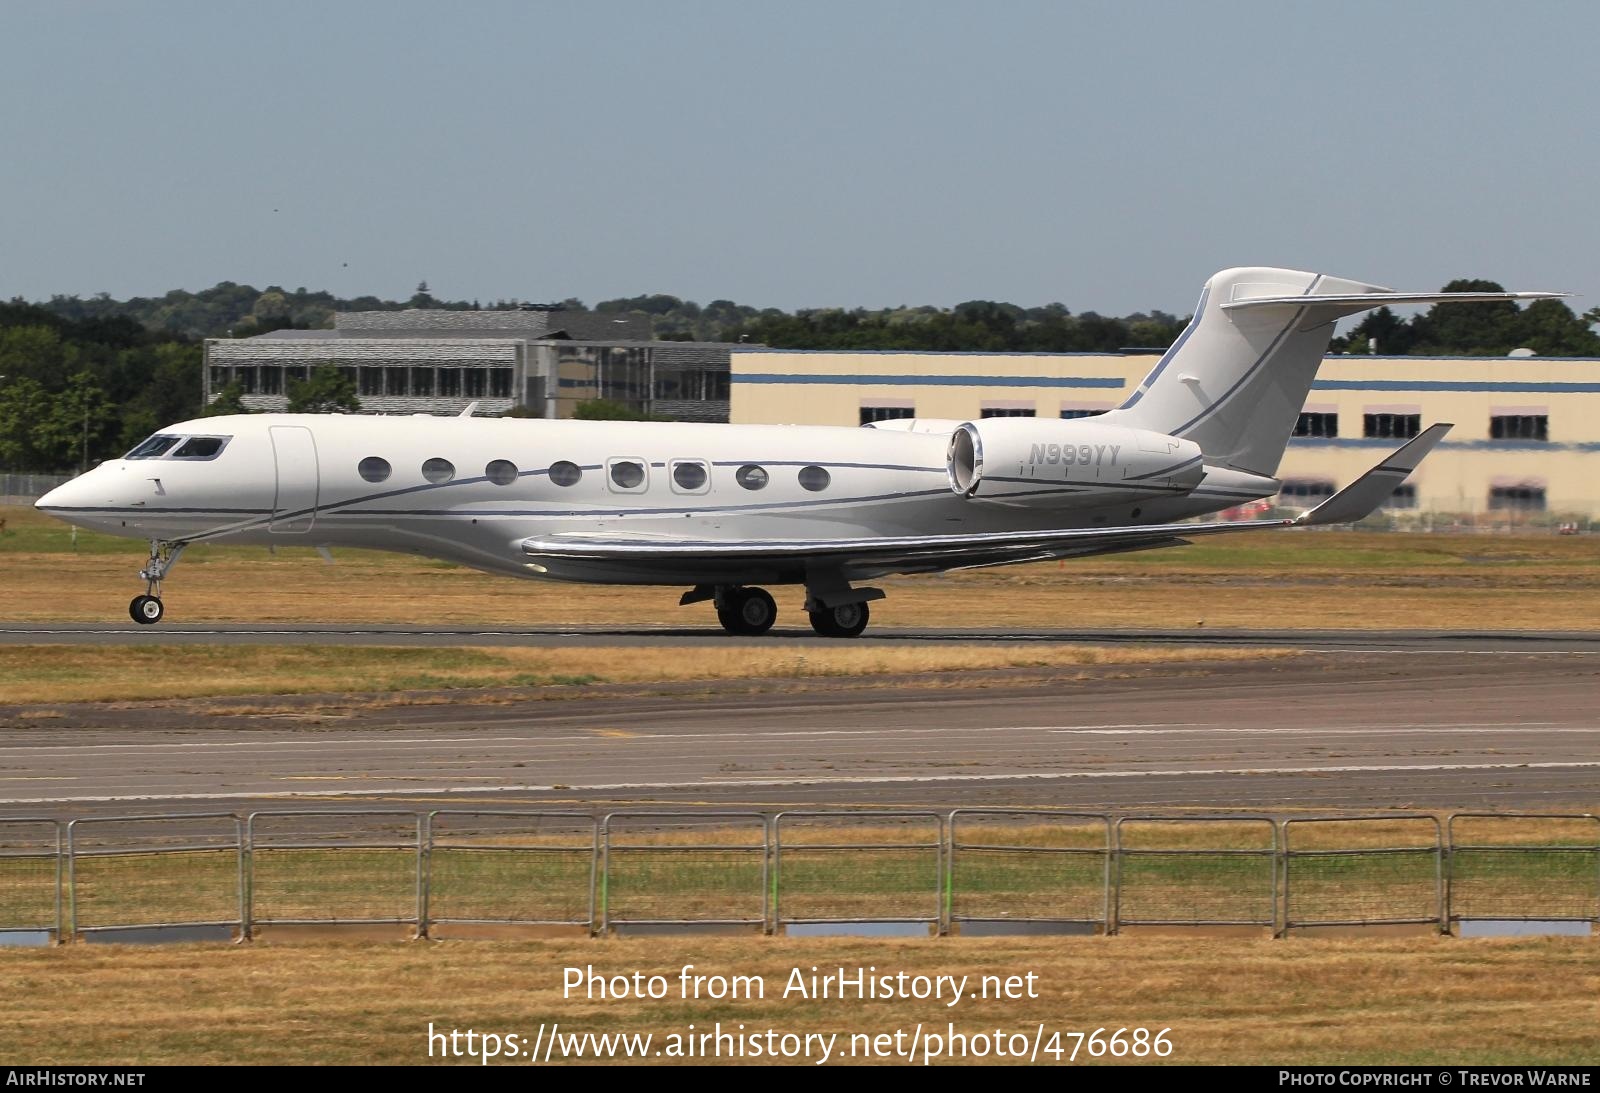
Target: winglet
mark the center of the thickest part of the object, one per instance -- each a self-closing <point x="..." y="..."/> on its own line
<point x="1361" y="497"/>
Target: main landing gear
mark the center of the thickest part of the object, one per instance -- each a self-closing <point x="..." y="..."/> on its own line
<point x="147" y="609"/>
<point x="748" y="611"/>
<point x="845" y="621"/>
<point x="835" y="609"/>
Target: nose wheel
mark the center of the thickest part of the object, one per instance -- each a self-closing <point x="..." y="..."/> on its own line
<point x="147" y="610"/>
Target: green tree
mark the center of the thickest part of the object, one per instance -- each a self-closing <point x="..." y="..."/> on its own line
<point x="1550" y="329"/>
<point x="24" y="407"/>
<point x="326" y="391"/>
<point x="604" y="409"/>
<point x="229" y="400"/>
<point x="75" y="426"/>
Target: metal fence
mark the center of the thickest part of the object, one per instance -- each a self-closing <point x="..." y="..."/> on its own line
<point x="16" y="489"/>
<point x="973" y="870"/>
<point x="674" y="868"/>
<point x="1195" y="871"/>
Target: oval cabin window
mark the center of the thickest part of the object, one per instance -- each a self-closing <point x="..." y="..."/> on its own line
<point x="374" y="468"/>
<point x="627" y="474"/>
<point x="565" y="473"/>
<point x="502" y="472"/>
<point x="689" y="476"/>
<point x="438" y="471"/>
<point x="751" y="477"/>
<point x="814" y="478"/>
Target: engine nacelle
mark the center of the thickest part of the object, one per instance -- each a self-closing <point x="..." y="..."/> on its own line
<point x="1039" y="463"/>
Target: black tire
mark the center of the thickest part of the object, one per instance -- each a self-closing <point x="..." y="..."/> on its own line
<point x="146" y="610"/>
<point x="846" y="621"/>
<point x="748" y="612"/>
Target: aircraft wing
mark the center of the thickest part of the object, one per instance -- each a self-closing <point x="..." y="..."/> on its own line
<point x="877" y="555"/>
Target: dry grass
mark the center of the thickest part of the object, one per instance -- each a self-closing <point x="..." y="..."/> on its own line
<point x="72" y="673"/>
<point x="1293" y="579"/>
<point x="1225" y="1001"/>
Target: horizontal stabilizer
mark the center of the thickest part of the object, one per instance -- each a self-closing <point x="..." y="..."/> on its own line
<point x="1362" y="497"/>
<point x="1363" y="300"/>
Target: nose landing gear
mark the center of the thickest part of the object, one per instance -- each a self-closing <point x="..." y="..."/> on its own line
<point x="147" y="609"/>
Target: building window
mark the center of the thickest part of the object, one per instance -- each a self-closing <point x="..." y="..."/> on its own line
<point x="271" y="379"/>
<point x="422" y="382"/>
<point x="1319" y="425"/>
<point x="295" y="373"/>
<point x="751" y="477"/>
<point x="689" y="476"/>
<point x="627" y="474"/>
<point x="565" y="473"/>
<point x="438" y="471"/>
<point x="1524" y="497"/>
<point x="245" y="377"/>
<point x="477" y="382"/>
<point x="1007" y="411"/>
<point x="374" y="468"/>
<point x="1391" y="426"/>
<point x="499" y="383"/>
<point x="449" y="383"/>
<point x="502" y="472"/>
<point x="1074" y="414"/>
<point x="869" y="414"/>
<point x="394" y="381"/>
<point x="219" y="377"/>
<point x="371" y="381"/>
<point x="1305" y="492"/>
<point x="1519" y="427"/>
<point x="1403" y="497"/>
<point x="814" y="479"/>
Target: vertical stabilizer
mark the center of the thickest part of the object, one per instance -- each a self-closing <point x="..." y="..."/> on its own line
<point x="1236" y="379"/>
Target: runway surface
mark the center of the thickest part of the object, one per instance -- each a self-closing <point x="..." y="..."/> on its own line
<point x="1346" y="729"/>
<point x="12" y="633"/>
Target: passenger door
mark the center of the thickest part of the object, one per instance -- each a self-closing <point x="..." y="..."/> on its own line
<point x="294" y="457"/>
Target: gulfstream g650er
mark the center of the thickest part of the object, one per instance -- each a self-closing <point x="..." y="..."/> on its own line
<point x="721" y="510"/>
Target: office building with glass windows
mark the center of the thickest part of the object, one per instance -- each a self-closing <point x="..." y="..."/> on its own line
<point x="538" y="361"/>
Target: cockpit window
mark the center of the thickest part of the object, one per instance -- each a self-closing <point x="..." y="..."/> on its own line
<point x="201" y="447"/>
<point x="155" y="446"/>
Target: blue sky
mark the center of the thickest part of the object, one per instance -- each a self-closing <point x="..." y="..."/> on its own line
<point x="1106" y="155"/>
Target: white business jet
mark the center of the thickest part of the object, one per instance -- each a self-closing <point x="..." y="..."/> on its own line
<point x="725" y="509"/>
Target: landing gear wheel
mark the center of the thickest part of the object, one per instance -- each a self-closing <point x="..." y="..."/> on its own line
<point x="146" y="610"/>
<point x="845" y="621"/>
<point x="747" y="611"/>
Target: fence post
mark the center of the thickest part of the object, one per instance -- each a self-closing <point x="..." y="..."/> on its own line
<point x="247" y="859"/>
<point x="1114" y="881"/>
<point x="1280" y="906"/>
<point x="60" y="940"/>
<point x="1444" y="863"/>
<point x="424" y="870"/>
<point x="72" y="889"/>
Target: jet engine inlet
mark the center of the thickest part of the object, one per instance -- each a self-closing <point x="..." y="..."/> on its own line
<point x="965" y="459"/>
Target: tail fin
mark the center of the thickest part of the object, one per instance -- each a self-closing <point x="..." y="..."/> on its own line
<point x="1236" y="379"/>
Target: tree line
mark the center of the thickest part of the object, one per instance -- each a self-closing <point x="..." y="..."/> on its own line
<point x="82" y="379"/>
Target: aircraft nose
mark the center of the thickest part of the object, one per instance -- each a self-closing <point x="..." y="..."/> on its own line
<point x="90" y="490"/>
<point x="56" y="499"/>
